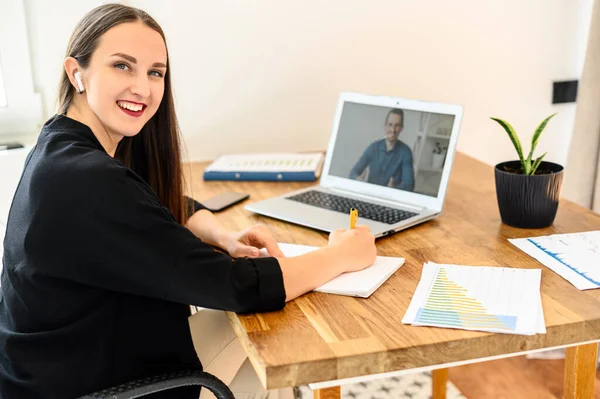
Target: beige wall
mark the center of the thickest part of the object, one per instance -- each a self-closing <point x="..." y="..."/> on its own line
<point x="265" y="75"/>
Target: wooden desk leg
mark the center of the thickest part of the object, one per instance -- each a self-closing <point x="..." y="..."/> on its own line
<point x="328" y="393"/>
<point x="580" y="371"/>
<point x="439" y="382"/>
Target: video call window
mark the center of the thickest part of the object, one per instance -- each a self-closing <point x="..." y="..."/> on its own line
<point x="392" y="147"/>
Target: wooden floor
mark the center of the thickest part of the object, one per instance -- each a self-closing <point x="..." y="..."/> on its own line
<point x="513" y="378"/>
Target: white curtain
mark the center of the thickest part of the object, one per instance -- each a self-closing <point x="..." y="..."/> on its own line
<point x="582" y="172"/>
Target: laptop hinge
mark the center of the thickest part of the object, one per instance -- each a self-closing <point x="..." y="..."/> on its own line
<point x="396" y="204"/>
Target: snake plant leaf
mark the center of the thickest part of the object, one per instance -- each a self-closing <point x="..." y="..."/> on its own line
<point x="537" y="163"/>
<point x="513" y="137"/>
<point x="537" y="134"/>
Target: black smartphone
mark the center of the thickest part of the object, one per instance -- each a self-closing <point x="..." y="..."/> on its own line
<point x="10" y="145"/>
<point x="223" y="201"/>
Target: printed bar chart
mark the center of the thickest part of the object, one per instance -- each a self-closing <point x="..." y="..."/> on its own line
<point x="448" y="303"/>
<point x="482" y="298"/>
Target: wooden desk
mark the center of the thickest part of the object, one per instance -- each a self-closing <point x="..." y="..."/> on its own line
<point x="320" y="337"/>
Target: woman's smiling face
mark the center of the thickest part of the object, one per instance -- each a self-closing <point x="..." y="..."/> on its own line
<point x="124" y="81"/>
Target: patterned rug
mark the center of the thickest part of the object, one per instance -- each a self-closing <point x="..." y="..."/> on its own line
<point x="410" y="386"/>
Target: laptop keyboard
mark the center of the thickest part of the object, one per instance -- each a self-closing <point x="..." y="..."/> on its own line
<point x="367" y="210"/>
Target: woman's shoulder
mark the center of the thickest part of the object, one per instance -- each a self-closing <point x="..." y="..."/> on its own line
<point x="68" y="157"/>
<point x="60" y="130"/>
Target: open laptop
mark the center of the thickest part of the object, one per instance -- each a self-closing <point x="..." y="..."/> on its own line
<point x="390" y="158"/>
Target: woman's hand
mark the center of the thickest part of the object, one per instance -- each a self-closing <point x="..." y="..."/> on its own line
<point x="348" y="251"/>
<point x="250" y="241"/>
<point x="357" y="247"/>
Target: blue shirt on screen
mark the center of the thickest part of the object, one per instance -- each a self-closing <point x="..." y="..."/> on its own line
<point x="384" y="164"/>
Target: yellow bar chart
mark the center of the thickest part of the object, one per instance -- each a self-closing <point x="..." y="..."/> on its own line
<point x="448" y="303"/>
<point x="480" y="298"/>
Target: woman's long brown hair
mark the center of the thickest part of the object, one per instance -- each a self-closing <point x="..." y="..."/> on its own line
<point x="155" y="152"/>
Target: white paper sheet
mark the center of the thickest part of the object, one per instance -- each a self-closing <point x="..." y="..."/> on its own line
<point x="481" y="298"/>
<point x="573" y="256"/>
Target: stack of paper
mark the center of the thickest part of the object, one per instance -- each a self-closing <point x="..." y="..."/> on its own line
<point x="575" y="256"/>
<point x="361" y="283"/>
<point x="482" y="298"/>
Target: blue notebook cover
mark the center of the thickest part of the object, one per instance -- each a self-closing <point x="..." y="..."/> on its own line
<point x="260" y="176"/>
<point x="266" y="167"/>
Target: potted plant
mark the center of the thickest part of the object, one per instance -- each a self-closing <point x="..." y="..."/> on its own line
<point x="527" y="189"/>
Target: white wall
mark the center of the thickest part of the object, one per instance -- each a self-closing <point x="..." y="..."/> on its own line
<point x="265" y="75"/>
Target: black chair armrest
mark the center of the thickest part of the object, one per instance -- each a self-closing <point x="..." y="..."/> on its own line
<point x="146" y="386"/>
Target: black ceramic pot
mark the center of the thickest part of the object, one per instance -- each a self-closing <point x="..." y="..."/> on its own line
<point x="528" y="202"/>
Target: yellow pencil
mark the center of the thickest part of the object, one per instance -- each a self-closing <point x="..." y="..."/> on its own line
<point x="353" y="217"/>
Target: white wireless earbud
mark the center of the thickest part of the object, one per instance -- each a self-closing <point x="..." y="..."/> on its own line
<point x="80" y="87"/>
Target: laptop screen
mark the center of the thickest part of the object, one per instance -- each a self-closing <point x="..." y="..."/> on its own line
<point x="393" y="147"/>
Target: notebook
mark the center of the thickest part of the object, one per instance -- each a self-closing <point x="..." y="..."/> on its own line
<point x="266" y="167"/>
<point x="361" y="283"/>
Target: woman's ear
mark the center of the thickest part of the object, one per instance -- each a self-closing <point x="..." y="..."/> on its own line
<point x="73" y="71"/>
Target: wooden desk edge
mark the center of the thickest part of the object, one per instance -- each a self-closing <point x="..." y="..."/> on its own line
<point x="258" y="365"/>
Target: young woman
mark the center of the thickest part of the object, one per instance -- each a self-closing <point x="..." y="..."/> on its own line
<point x="103" y="253"/>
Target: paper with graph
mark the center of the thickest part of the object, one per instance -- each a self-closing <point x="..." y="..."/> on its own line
<point x="482" y="298"/>
<point x="573" y="256"/>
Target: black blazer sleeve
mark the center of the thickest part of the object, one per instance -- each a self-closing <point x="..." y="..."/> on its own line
<point x="107" y="229"/>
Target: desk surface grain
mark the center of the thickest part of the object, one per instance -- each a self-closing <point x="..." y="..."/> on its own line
<point x="322" y="337"/>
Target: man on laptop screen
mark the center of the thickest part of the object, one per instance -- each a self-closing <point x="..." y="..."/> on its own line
<point x="388" y="161"/>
